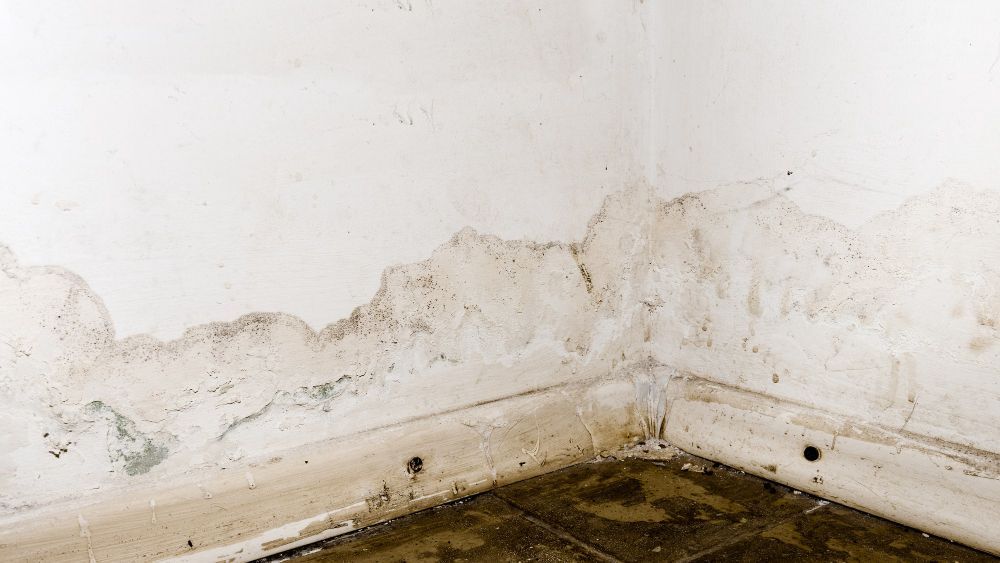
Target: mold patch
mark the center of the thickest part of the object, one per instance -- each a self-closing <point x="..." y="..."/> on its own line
<point x="751" y="291"/>
<point x="739" y="286"/>
<point x="128" y="449"/>
<point x="438" y="335"/>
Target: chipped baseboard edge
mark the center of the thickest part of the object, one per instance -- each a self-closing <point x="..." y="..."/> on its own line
<point x="336" y="486"/>
<point x="944" y="489"/>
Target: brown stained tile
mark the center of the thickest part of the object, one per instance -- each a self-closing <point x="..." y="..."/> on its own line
<point x="481" y="529"/>
<point x="836" y="533"/>
<point x="640" y="511"/>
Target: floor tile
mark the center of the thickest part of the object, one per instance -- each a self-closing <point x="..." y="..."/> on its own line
<point x="837" y="533"/>
<point x="481" y="529"/>
<point x="640" y="511"/>
<point x="684" y="509"/>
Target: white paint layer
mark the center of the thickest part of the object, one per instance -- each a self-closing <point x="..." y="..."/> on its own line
<point x="834" y="266"/>
<point x="866" y="103"/>
<point x="818" y="280"/>
<point x="254" y="156"/>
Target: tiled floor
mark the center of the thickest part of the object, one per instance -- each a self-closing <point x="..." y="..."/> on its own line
<point x="640" y="511"/>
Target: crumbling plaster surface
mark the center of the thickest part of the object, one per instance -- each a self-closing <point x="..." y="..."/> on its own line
<point x="774" y="330"/>
<point x="881" y="324"/>
<point x="266" y="163"/>
<point x="482" y="319"/>
<point x="894" y="324"/>
<point x="873" y="319"/>
<point x="872" y="328"/>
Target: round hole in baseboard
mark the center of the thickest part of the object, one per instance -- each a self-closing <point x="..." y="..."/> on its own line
<point x="414" y="465"/>
<point x="812" y="453"/>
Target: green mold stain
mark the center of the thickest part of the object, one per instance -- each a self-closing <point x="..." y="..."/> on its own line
<point x="128" y="448"/>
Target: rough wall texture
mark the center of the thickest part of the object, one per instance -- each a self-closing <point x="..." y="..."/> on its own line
<point x="274" y="144"/>
<point x="884" y="324"/>
<point x="480" y="320"/>
<point x="894" y="324"/>
<point x="828" y="267"/>
<point x="889" y="332"/>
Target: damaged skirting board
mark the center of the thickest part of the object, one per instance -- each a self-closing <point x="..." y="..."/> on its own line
<point x="333" y="487"/>
<point x="943" y="489"/>
<point x="494" y="361"/>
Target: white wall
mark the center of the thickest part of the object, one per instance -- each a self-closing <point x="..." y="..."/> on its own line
<point x="867" y="103"/>
<point x="849" y="146"/>
<point x="832" y="277"/>
<point x="196" y="196"/>
<point x="264" y="156"/>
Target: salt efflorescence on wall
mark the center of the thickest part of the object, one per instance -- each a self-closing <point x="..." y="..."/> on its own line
<point x="712" y="309"/>
<point x="896" y="323"/>
<point x="876" y="348"/>
<point x="482" y="319"/>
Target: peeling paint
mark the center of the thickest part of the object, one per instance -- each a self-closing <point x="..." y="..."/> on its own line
<point x="230" y="392"/>
<point x="829" y="312"/>
<point x="128" y="449"/>
<point x="878" y="325"/>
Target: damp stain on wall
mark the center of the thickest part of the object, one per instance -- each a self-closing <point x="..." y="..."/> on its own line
<point x="893" y="324"/>
<point x="481" y="319"/>
<point x="889" y="324"/>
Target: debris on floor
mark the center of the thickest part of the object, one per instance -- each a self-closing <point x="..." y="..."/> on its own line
<point x="650" y="449"/>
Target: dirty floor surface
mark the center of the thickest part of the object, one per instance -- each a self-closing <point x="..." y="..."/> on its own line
<point x="639" y="511"/>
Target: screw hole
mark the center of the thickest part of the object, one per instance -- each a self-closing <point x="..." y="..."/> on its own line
<point x="811" y="453"/>
<point x="414" y="465"/>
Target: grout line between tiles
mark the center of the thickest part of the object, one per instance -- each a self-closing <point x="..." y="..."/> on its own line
<point x="749" y="534"/>
<point x="556" y="530"/>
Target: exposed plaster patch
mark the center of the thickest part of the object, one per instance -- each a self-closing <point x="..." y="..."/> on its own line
<point x="858" y="322"/>
<point x="129" y="449"/>
<point x="477" y="321"/>
<point x="740" y="288"/>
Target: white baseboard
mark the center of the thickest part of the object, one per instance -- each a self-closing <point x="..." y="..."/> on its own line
<point x="332" y="487"/>
<point x="940" y="488"/>
<point x="359" y="480"/>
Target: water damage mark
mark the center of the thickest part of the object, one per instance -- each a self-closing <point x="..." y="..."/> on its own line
<point x="380" y="499"/>
<point x="739" y="285"/>
<point x="128" y="449"/>
<point x="587" y="280"/>
<point x="267" y="381"/>
<point x="752" y="291"/>
<point x="315" y="395"/>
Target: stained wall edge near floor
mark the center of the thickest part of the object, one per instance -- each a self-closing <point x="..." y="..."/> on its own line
<point x="196" y="197"/>
<point x="844" y="252"/>
<point x="841" y="252"/>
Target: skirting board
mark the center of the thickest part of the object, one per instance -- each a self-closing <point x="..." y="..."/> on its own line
<point x="333" y="487"/>
<point x="940" y="488"/>
<point x="336" y="486"/>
